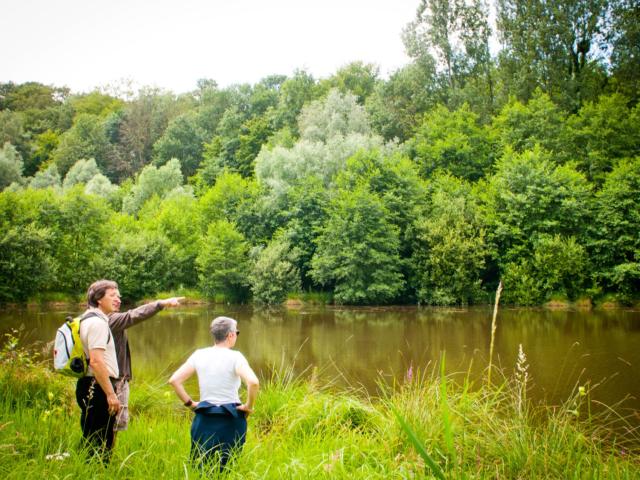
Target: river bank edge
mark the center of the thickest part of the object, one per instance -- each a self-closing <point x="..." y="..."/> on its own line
<point x="295" y="301"/>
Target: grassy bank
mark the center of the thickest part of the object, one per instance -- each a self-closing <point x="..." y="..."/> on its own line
<point x="303" y="430"/>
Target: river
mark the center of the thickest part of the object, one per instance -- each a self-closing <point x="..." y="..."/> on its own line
<point x="361" y="347"/>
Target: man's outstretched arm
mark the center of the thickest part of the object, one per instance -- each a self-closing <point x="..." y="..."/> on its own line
<point x="120" y="321"/>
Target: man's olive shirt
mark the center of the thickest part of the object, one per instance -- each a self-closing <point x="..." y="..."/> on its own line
<point x="118" y="323"/>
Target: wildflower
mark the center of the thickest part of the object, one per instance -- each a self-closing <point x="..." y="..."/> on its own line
<point x="410" y="373"/>
<point x="582" y="391"/>
<point x="50" y="396"/>
<point x="57" y="456"/>
<point x="521" y="366"/>
<point x="336" y="457"/>
<point x="522" y="377"/>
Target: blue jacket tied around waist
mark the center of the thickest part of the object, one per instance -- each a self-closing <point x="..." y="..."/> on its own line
<point x="217" y="428"/>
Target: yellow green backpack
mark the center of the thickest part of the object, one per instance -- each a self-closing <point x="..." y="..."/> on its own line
<point x="69" y="357"/>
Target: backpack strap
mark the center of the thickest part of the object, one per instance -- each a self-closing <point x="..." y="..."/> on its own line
<point x="86" y="315"/>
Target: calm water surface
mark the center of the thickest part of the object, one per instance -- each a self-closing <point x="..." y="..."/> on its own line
<point x="359" y="347"/>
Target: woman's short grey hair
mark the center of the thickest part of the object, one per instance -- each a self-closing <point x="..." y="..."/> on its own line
<point x="221" y="327"/>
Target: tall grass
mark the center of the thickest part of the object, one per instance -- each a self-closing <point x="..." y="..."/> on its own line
<point x="425" y="426"/>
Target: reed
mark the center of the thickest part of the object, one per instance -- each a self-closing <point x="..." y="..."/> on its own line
<point x="494" y="325"/>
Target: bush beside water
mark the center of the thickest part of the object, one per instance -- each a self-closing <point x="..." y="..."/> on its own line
<point x="303" y="430"/>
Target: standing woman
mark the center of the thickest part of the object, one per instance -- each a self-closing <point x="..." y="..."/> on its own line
<point x="220" y="422"/>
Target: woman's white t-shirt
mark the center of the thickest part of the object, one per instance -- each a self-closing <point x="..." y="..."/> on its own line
<point x="216" y="368"/>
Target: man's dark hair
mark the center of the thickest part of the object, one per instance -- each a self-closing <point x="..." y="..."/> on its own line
<point x="97" y="290"/>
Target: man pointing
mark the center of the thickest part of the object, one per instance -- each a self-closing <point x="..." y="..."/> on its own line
<point x="119" y="322"/>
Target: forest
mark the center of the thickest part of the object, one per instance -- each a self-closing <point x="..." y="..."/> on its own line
<point x="502" y="152"/>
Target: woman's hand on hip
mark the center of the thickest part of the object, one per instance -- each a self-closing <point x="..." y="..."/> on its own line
<point x="245" y="408"/>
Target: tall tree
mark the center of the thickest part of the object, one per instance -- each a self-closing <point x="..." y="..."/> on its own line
<point x="396" y="106"/>
<point x="602" y="133"/>
<point x="625" y="41"/>
<point x="41" y="107"/>
<point x="144" y="263"/>
<point x="177" y="219"/>
<point x="102" y="187"/>
<point x="538" y="122"/>
<point x="337" y="114"/>
<point x="82" y="227"/>
<point x="450" y="250"/>
<point x="95" y="103"/>
<point x="265" y="94"/>
<point x="81" y="172"/>
<point x="230" y="199"/>
<point x="395" y="179"/>
<point x="183" y="139"/>
<point x="142" y="123"/>
<point x="357" y="78"/>
<point x="453" y="141"/>
<point x="331" y="131"/>
<point x="456" y="33"/>
<point x="295" y="92"/>
<point x="49" y="177"/>
<point x="11" y="165"/>
<point x="552" y="45"/>
<point x="222" y="262"/>
<point x="357" y="251"/>
<point x="12" y="131"/>
<point x="615" y="244"/>
<point x="31" y="95"/>
<point x="254" y="133"/>
<point x="151" y="182"/>
<point x="304" y="216"/>
<point x="26" y="266"/>
<point x="86" y="139"/>
<point x="535" y="210"/>
<point x="42" y="146"/>
<point x="220" y="153"/>
<point x="274" y="274"/>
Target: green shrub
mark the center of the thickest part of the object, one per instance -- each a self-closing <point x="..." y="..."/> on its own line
<point x="222" y="262"/>
<point x="274" y="274"/>
<point x="142" y="264"/>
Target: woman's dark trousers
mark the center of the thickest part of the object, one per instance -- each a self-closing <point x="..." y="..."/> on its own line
<point x="217" y="435"/>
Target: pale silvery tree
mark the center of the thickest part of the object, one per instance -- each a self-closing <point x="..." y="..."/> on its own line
<point x="11" y="165"/>
<point x="81" y="172"/>
<point x="101" y="186"/>
<point x="331" y="131"/>
<point x="46" y="178"/>
<point x="337" y="114"/>
<point x="153" y="181"/>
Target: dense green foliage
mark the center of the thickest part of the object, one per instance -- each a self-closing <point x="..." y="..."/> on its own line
<point x="358" y="250"/>
<point x="462" y="168"/>
<point x="222" y="262"/>
<point x="274" y="274"/>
